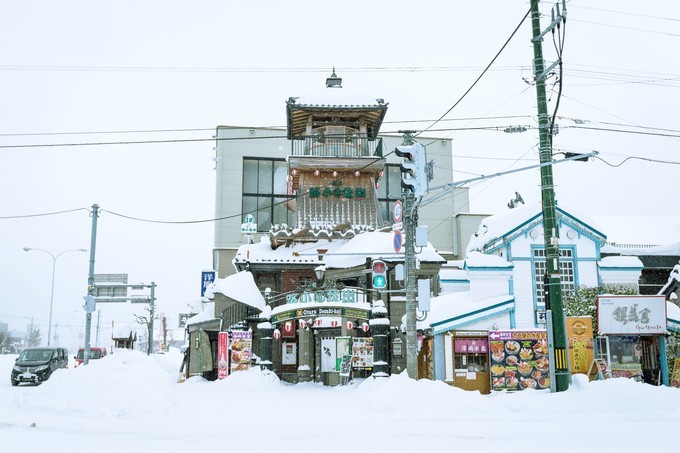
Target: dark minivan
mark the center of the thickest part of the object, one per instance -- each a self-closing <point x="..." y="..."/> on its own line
<point x="36" y="365"/>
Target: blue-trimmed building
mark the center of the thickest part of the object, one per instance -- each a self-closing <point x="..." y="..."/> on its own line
<point x="499" y="285"/>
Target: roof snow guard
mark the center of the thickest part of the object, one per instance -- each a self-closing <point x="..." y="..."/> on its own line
<point x="334" y="105"/>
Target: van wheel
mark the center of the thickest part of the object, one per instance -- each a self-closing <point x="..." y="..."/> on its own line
<point x="14" y="383"/>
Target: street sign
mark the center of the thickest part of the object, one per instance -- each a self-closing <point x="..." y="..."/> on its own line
<point x="249" y="226"/>
<point x="397" y="226"/>
<point x="397" y="211"/>
<point x="207" y="278"/>
<point x="398" y="240"/>
<point x="183" y="318"/>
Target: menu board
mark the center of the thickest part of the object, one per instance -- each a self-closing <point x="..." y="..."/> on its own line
<point x="241" y="345"/>
<point x="362" y="353"/>
<point x="519" y="360"/>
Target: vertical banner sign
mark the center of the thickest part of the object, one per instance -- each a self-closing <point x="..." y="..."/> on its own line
<point x="342" y="348"/>
<point x="519" y="360"/>
<point x="580" y="339"/>
<point x="675" y="373"/>
<point x="241" y="345"/>
<point x="222" y="355"/>
<point x="207" y="278"/>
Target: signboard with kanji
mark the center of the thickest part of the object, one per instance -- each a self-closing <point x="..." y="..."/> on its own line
<point x="631" y="315"/>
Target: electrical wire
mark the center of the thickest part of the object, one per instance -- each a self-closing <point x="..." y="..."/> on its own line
<point x="481" y="75"/>
<point x="43" y="214"/>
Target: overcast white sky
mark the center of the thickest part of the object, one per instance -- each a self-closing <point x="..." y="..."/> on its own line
<point x="76" y="67"/>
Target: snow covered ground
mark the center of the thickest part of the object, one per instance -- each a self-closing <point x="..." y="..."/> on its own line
<point x="128" y="402"/>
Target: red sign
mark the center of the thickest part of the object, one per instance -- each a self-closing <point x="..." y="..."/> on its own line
<point x="470" y="345"/>
<point x="222" y="351"/>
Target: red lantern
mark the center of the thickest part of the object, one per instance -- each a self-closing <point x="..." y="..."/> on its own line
<point x="294" y="172"/>
<point x="317" y="322"/>
<point x="277" y="334"/>
<point x="302" y="323"/>
<point x="349" y="325"/>
<point x="365" y="327"/>
<point x="357" y="173"/>
<point x="380" y="175"/>
<point x="317" y="172"/>
<point x="334" y="323"/>
<point x="377" y="185"/>
<point x="335" y="174"/>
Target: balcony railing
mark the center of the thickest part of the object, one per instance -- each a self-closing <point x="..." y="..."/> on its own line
<point x="337" y="146"/>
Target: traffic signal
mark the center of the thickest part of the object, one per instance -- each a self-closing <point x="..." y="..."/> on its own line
<point x="413" y="168"/>
<point x="379" y="274"/>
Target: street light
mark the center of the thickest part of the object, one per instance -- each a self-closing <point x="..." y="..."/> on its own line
<point x="54" y="267"/>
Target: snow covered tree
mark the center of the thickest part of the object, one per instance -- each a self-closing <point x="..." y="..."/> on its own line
<point x="583" y="301"/>
<point x="33" y="337"/>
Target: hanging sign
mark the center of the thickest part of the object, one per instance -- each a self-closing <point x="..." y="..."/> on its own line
<point x="580" y="339"/>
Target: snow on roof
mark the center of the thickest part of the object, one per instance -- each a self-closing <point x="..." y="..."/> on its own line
<point x="339" y="253"/>
<point x="208" y="314"/>
<point x="478" y="259"/>
<point x="123" y="330"/>
<point x="262" y="252"/>
<point x="242" y="288"/>
<point x="457" y="308"/>
<point x="499" y="225"/>
<point x="672" y="311"/>
<point x="337" y="97"/>
<point x="621" y="261"/>
<point x="376" y="244"/>
<point x="660" y="250"/>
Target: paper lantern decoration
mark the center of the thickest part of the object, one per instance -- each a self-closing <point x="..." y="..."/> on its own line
<point x="277" y="334"/>
<point x="317" y="172"/>
<point x="334" y="323"/>
<point x="357" y="173"/>
<point x="302" y="323"/>
<point x="349" y="325"/>
<point x="335" y="174"/>
<point x="365" y="327"/>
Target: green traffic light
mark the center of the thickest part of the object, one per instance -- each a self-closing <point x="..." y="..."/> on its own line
<point x="379" y="281"/>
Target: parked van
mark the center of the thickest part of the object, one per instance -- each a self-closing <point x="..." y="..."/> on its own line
<point x="36" y="365"/>
<point x="95" y="353"/>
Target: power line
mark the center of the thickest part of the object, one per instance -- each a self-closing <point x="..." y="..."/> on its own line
<point x="364" y="69"/>
<point x="626" y="28"/>
<point x="43" y="214"/>
<point x="623" y="12"/>
<point x="481" y="75"/>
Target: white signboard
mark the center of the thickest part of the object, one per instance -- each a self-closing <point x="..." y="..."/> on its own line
<point x="631" y="315"/>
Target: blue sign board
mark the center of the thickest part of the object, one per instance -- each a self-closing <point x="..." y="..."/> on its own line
<point x="207" y="278"/>
<point x="398" y="241"/>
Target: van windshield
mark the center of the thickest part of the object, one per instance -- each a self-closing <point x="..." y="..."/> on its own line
<point x="34" y="355"/>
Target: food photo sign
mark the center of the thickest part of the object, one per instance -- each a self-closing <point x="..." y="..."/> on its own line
<point x="241" y="345"/>
<point x="519" y="360"/>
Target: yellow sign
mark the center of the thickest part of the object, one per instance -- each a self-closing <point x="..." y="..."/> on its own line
<point x="580" y="336"/>
<point x="675" y="374"/>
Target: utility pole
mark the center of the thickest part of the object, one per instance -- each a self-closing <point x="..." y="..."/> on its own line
<point x="410" y="221"/>
<point x="89" y="304"/>
<point x="550" y="227"/>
